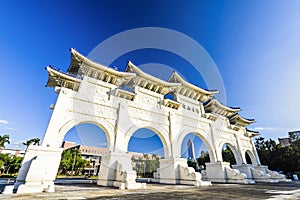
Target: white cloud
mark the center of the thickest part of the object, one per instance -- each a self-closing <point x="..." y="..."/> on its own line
<point x="18" y="142"/>
<point x="9" y="129"/>
<point x="3" y="121"/>
<point x="18" y="145"/>
<point x="266" y="128"/>
<point x="104" y="144"/>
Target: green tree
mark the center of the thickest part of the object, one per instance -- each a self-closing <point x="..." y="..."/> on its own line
<point x="72" y="162"/>
<point x="277" y="157"/>
<point x="4" y="160"/>
<point x="139" y="166"/>
<point x="10" y="164"/>
<point x="192" y="163"/>
<point x="228" y="156"/>
<point x="4" y="139"/>
<point x="65" y="162"/>
<point x="34" y="141"/>
<point x="146" y="165"/>
<point x="204" y="158"/>
<point x="13" y="164"/>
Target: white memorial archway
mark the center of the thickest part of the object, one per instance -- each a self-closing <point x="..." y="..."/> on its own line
<point x="122" y="102"/>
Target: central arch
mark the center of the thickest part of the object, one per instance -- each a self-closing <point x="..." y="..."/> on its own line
<point x="161" y="133"/>
<point x="146" y="149"/>
<point x="194" y="149"/>
<point x="204" y="139"/>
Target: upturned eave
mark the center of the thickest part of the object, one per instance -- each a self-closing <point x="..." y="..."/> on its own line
<point x="237" y="119"/>
<point x="77" y="61"/>
<point x="149" y="82"/>
<point x="214" y="106"/>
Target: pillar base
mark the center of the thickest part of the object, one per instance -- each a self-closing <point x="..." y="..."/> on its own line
<point x="116" y="171"/>
<point x="176" y="171"/>
<point x="36" y="174"/>
<point x="244" y="168"/>
<point x="260" y="174"/>
<point x="169" y="170"/>
<point x="221" y="172"/>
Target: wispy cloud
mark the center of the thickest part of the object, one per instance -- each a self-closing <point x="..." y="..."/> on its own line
<point x="3" y="121"/>
<point x="104" y="144"/>
<point x="18" y="144"/>
<point x="9" y="129"/>
<point x="269" y="128"/>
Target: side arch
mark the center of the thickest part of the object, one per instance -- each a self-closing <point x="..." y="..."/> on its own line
<point x="162" y="134"/>
<point x="205" y="140"/>
<point x="106" y="127"/>
<point x="252" y="157"/>
<point x="234" y="149"/>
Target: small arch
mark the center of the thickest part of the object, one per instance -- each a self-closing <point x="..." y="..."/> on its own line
<point x="250" y="158"/>
<point x="231" y="154"/>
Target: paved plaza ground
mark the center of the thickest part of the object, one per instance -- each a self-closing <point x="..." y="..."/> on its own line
<point x="84" y="190"/>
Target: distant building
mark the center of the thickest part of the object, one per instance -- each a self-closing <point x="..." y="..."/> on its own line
<point x="94" y="154"/>
<point x="142" y="156"/>
<point x="284" y="142"/>
<point x="67" y="145"/>
<point x="293" y="136"/>
<point x="191" y="150"/>
<point x="13" y="152"/>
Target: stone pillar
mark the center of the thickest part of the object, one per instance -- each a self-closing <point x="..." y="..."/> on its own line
<point x="259" y="174"/>
<point x="116" y="170"/>
<point x="176" y="171"/>
<point x="169" y="170"/>
<point x="239" y="150"/>
<point x="255" y="152"/>
<point x="108" y="167"/>
<point x="39" y="169"/>
<point x="244" y="168"/>
<point x="216" y="171"/>
<point x="221" y="172"/>
<point x="218" y="157"/>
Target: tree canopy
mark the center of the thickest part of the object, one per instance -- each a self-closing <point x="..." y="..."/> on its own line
<point x="4" y="139"/>
<point x="278" y="157"/>
<point x="35" y="141"/>
<point x="72" y="162"/>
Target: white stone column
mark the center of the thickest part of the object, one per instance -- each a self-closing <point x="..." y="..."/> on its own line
<point x="214" y="146"/>
<point x="169" y="170"/>
<point x="108" y="167"/>
<point x="244" y="168"/>
<point x="171" y="136"/>
<point x="116" y="170"/>
<point x="239" y="151"/>
<point x="58" y="117"/>
<point x="255" y="152"/>
<point x="216" y="171"/>
<point x="39" y="169"/>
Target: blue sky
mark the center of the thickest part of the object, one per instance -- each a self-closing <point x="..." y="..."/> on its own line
<point x="255" y="45"/>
